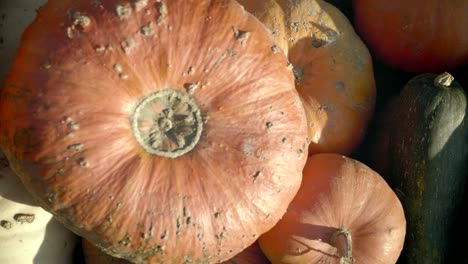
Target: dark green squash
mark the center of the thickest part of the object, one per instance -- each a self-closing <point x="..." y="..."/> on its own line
<point x="428" y="148"/>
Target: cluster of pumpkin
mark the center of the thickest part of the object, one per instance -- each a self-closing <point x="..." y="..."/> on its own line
<point x="222" y="131"/>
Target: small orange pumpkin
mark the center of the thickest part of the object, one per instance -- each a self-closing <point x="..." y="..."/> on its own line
<point x="332" y="66"/>
<point x="343" y="213"/>
<point x="161" y="131"/>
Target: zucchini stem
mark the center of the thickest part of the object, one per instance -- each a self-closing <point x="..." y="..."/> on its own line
<point x="444" y="79"/>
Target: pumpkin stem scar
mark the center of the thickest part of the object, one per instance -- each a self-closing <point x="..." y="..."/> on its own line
<point x="348" y="256"/>
<point x="167" y="123"/>
<point x="445" y="79"/>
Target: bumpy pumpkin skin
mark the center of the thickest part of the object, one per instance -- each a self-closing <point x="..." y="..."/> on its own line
<point x="416" y="36"/>
<point x="338" y="193"/>
<point x="97" y="85"/>
<point x="333" y="69"/>
<point x="28" y="233"/>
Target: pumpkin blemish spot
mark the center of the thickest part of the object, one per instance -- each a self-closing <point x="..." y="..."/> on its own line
<point x="81" y="21"/>
<point x="269" y="124"/>
<point x="127" y="45"/>
<point x="240" y="35"/>
<point x="191" y="87"/>
<point x="162" y="8"/>
<point x="73" y="126"/>
<point x="147" y="30"/>
<point x="77" y="147"/>
<point x="294" y="26"/>
<point x="100" y="48"/>
<point x="117" y="67"/>
<point x="340" y="86"/>
<point x="83" y="162"/>
<point x="255" y="176"/>
<point x="139" y="4"/>
<point x="125" y="242"/>
<point x="123" y="11"/>
<point x="190" y="71"/>
<point x="123" y="76"/>
<point x="275" y="49"/>
<point x="46" y="65"/>
<point x="165" y="235"/>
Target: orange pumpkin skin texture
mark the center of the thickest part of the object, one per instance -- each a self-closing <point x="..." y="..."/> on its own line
<point x="416" y="36"/>
<point x="332" y="66"/>
<point x="338" y="194"/>
<point x="161" y="131"/>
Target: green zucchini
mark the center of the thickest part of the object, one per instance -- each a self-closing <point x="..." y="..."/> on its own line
<point x="429" y="160"/>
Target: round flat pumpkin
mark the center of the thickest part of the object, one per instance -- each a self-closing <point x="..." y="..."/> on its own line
<point x="161" y="131"/>
<point x="344" y="213"/>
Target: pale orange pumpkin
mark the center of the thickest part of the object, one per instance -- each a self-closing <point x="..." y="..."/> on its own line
<point x="332" y="66"/>
<point x="161" y="131"/>
<point x="343" y="213"/>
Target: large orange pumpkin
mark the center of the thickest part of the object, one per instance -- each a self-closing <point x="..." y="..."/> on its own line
<point x="416" y="36"/>
<point x="332" y="66"/>
<point x="162" y="131"/>
<point x="343" y="213"/>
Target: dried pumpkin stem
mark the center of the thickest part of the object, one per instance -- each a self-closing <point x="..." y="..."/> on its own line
<point x="347" y="257"/>
<point x="444" y="79"/>
<point x="167" y="123"/>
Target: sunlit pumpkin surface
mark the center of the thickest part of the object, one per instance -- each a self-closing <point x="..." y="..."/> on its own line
<point x="162" y="131"/>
